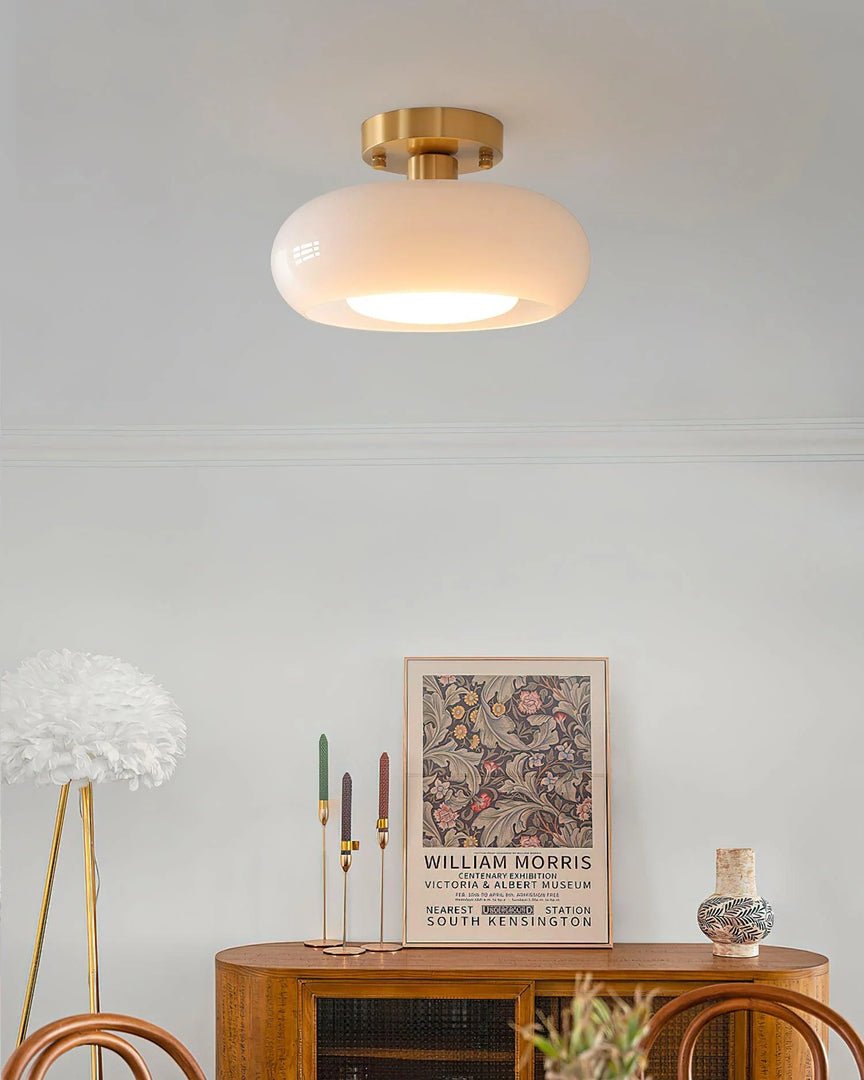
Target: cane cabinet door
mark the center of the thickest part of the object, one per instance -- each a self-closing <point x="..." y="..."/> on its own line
<point x="414" y="1030"/>
<point x="722" y="1053"/>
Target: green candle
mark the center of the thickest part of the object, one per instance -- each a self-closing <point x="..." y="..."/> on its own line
<point x="323" y="770"/>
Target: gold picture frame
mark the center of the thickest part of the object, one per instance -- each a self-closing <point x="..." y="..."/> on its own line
<point x="506" y="802"/>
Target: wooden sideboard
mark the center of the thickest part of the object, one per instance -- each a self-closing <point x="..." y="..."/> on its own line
<point x="286" y="1012"/>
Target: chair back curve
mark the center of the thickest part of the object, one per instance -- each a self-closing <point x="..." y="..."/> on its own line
<point x="786" y="1005"/>
<point x="37" y="1054"/>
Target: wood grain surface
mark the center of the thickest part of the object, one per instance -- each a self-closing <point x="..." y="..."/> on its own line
<point x="266" y="995"/>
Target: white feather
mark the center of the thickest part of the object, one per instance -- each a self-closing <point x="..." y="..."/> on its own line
<point x="76" y="716"/>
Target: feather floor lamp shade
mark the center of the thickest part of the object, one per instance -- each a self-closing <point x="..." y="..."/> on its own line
<point x="78" y="718"/>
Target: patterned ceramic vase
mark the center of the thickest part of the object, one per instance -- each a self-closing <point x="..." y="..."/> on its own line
<point x="735" y="917"/>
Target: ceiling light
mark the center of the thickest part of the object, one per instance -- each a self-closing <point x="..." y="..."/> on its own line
<point x="431" y="254"/>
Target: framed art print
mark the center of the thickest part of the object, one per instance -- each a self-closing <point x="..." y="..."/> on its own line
<point x="507" y="802"/>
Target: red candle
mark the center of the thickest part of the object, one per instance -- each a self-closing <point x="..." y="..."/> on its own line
<point x="383" y="787"/>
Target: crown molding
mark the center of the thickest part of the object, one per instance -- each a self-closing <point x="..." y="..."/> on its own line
<point x="768" y="440"/>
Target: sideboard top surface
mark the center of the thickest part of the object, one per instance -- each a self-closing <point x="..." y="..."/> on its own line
<point x="621" y="961"/>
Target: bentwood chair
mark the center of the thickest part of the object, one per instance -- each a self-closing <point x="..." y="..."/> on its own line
<point x="35" y="1056"/>
<point x="775" y="1001"/>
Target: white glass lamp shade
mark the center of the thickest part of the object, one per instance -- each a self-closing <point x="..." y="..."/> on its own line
<point x="430" y="255"/>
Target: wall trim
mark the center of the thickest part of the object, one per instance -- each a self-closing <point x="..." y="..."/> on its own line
<point x="659" y="441"/>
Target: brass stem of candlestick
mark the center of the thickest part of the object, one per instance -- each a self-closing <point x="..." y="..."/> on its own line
<point x="323" y="817"/>
<point x="86" y="795"/>
<point x="33" y="974"/>
<point x="324" y="879"/>
<point x="383" y="826"/>
<point x="381" y="921"/>
<point x="344" y="910"/>
<point x="345" y="855"/>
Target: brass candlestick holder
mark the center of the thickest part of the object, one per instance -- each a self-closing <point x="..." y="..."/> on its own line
<point x="383" y="826"/>
<point x="345" y="855"/>
<point x="323" y="817"/>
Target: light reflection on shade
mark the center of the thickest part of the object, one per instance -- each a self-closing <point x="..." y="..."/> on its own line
<point x="434" y="308"/>
<point x="304" y="252"/>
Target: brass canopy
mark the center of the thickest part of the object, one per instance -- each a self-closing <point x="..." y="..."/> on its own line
<point x="432" y="143"/>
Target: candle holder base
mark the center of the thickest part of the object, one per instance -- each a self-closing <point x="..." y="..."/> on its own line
<point x="322" y="942"/>
<point x="384" y="946"/>
<point x="345" y="950"/>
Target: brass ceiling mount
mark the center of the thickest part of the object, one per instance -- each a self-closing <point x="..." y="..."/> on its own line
<point x="432" y="143"/>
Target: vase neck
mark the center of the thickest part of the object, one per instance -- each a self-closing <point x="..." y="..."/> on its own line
<point x="736" y="872"/>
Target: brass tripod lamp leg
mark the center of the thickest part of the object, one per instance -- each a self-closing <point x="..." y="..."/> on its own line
<point x="92" y="944"/>
<point x="43" y="914"/>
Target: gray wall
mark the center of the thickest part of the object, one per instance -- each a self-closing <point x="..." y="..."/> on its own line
<point x="277" y="603"/>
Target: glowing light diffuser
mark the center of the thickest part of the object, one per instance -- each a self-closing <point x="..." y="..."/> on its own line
<point x="438" y="308"/>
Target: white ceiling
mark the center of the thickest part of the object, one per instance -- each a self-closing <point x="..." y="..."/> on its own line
<point x="712" y="151"/>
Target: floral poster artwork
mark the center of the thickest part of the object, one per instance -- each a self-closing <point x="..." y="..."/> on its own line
<point x="507" y="761"/>
<point x="507" y="802"/>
